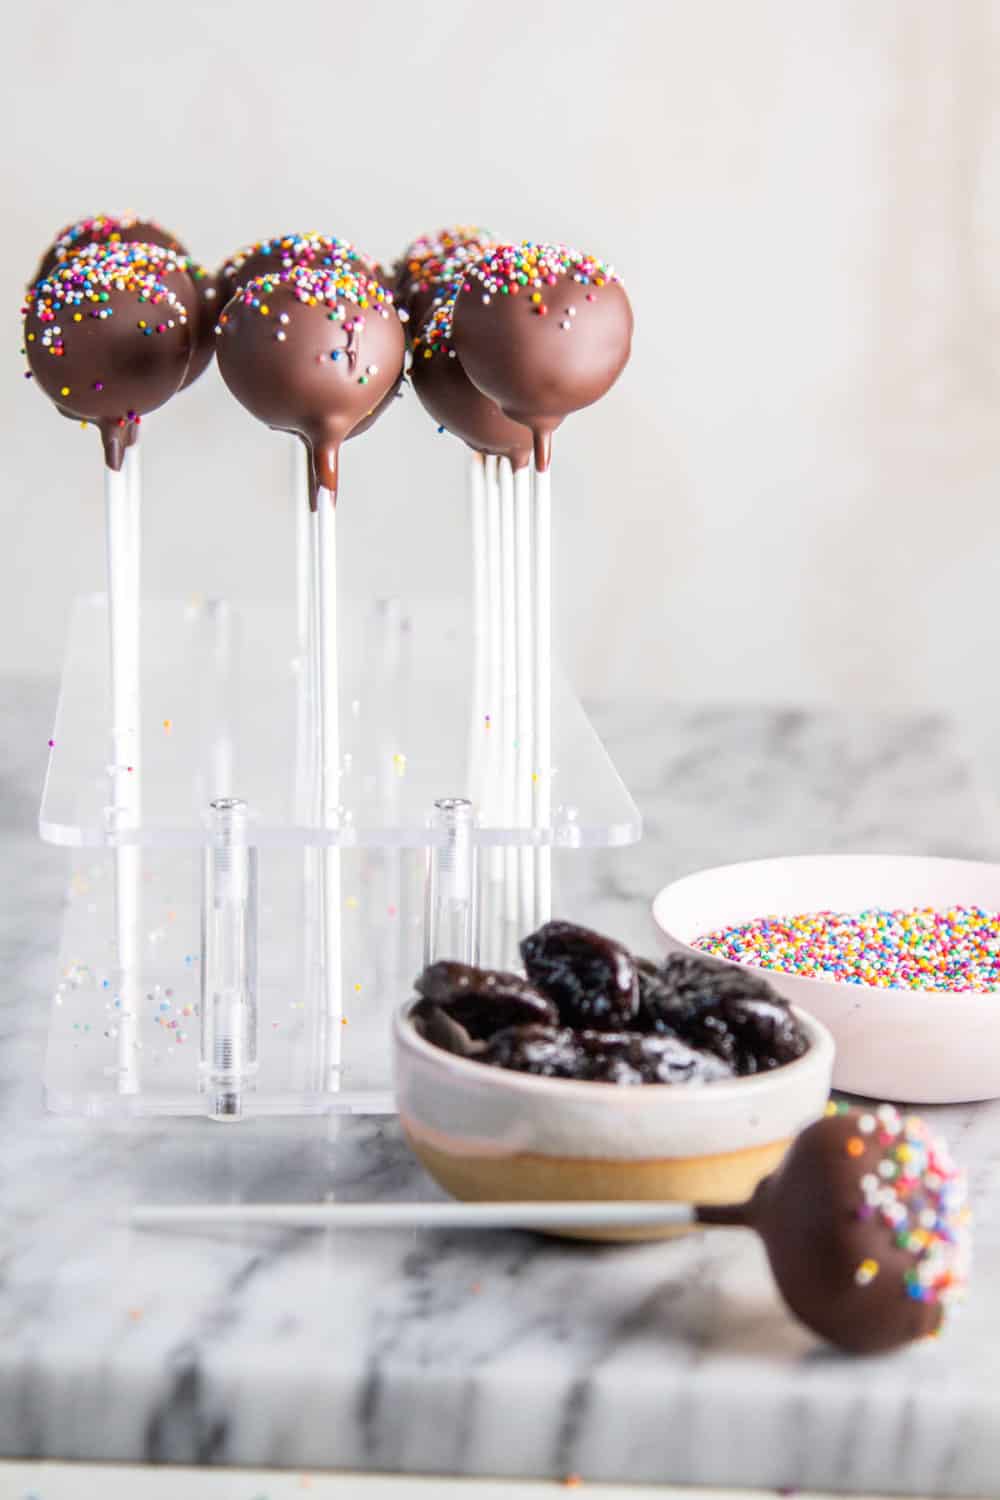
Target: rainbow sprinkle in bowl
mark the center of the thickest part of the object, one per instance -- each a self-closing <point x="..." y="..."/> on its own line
<point x="898" y="955"/>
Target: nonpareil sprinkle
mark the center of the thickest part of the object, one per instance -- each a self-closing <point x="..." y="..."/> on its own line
<point x="916" y="948"/>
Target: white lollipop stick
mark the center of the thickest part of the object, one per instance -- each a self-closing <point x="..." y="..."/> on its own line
<point x="508" y="757"/>
<point x="492" y="918"/>
<point x="524" y="535"/>
<point x="299" y="489"/>
<point x="329" y="767"/>
<point x="543" y="686"/>
<point x="480" y="629"/>
<point x="624" y="1215"/>
<point x="305" y="526"/>
<point x="123" y="544"/>
<point x="305" y="687"/>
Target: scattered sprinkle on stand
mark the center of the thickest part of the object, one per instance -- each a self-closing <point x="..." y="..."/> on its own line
<point x="922" y="948"/>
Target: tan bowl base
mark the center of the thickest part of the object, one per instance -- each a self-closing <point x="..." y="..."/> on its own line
<point x="727" y="1178"/>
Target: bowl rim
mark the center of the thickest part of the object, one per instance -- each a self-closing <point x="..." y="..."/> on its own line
<point x="820" y="1053"/>
<point x="840" y="986"/>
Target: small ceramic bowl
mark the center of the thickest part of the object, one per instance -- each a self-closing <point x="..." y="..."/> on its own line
<point x="491" y="1134"/>
<point x="918" y="1046"/>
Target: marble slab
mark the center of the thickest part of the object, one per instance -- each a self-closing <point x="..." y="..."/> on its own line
<point x="485" y="1354"/>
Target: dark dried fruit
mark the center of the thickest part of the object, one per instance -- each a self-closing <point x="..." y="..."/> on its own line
<point x="591" y="978"/>
<point x="629" y="1057"/>
<point x="485" y="1001"/>
<point x="547" y="1051"/>
<point x="767" y="1034"/>
<point x="605" y="1017"/>
<point x="666" y="1059"/>
<point x="436" y="1026"/>
<point x="720" y="1008"/>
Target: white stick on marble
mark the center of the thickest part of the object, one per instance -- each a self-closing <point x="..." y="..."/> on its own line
<point x="329" y="766"/>
<point x="122" y="502"/>
<point x="543" y="686"/>
<point x="508" y="755"/>
<point x="524" y="537"/>
<point x="624" y="1215"/>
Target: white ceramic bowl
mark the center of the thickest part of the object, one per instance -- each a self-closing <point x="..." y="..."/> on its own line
<point x="491" y="1134"/>
<point x="921" y="1046"/>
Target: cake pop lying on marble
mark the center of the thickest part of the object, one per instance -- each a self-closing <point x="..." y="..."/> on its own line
<point x="447" y="393"/>
<point x="273" y="257"/>
<point x="866" y="1228"/>
<point x="113" y="231"/>
<point x="430" y="268"/>
<point x="108" y="340"/>
<point x="865" y="1225"/>
<point x="314" y="352"/>
<point x="543" y="330"/>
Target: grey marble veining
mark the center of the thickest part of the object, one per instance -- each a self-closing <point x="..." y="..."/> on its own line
<point x="488" y="1353"/>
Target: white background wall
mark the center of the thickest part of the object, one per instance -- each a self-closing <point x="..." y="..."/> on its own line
<point x="794" y="491"/>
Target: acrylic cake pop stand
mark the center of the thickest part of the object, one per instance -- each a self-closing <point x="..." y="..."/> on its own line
<point x="222" y="688"/>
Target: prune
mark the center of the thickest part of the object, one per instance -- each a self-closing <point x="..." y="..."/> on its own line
<point x="591" y="978"/>
<point x="767" y="1034"/>
<point x="590" y="1011"/>
<point x="629" y="1057"/>
<point x="610" y="1057"/>
<point x="437" y="1027"/>
<point x="666" y="1059"/>
<point x="720" y="1008"/>
<point x="548" y="1051"/>
<point x="485" y="1001"/>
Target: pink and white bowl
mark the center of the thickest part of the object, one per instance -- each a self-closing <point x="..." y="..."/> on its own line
<point x="491" y="1134"/>
<point x="918" y="1046"/>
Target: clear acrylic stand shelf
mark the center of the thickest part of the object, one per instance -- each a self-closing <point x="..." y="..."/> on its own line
<point x="223" y="714"/>
<point x="221" y="705"/>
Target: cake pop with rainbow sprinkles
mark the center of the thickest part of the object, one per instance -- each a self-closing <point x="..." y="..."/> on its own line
<point x="114" y="232"/>
<point x="543" y="330"/>
<point x="108" y="340"/>
<point x="430" y="269"/>
<point x="448" y="394"/>
<point x="275" y="256"/>
<point x="109" y="230"/>
<point x="314" y="351"/>
<point x="866" y="1227"/>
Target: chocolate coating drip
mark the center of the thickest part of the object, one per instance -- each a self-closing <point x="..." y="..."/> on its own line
<point x="543" y="331"/>
<point x="285" y="351"/>
<point x="107" y="342"/>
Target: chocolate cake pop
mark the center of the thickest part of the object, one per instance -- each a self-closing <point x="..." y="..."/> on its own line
<point x="105" y="229"/>
<point x="314" y="352"/>
<point x="430" y="269"/>
<point x="115" y="230"/>
<point x="865" y="1226"/>
<point x="445" y="391"/>
<point x="108" y="341"/>
<point x="542" y="330"/>
<point x="180" y="275"/>
<point x="273" y="257"/>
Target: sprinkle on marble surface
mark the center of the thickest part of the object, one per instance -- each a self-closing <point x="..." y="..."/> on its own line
<point x="919" y="948"/>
